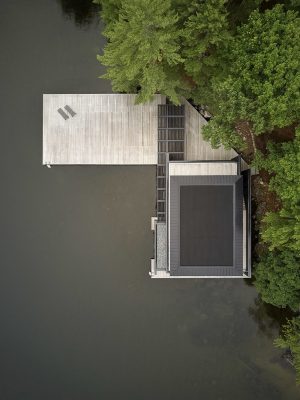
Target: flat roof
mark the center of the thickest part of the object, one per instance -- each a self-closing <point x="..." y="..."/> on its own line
<point x="106" y="129"/>
<point x="185" y="168"/>
<point x="206" y="225"/>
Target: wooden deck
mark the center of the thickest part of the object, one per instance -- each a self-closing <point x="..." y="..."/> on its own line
<point x="196" y="148"/>
<point x="111" y="129"/>
<point x="107" y="129"/>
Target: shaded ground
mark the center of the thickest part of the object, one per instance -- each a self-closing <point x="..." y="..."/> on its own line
<point x="259" y="142"/>
<point x="278" y="135"/>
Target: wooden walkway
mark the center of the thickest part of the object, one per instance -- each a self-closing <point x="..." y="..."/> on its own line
<point x="107" y="129"/>
<point x="196" y="148"/>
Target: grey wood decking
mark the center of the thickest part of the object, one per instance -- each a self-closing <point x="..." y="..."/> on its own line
<point x="107" y="129"/>
<point x="111" y="129"/>
<point x="196" y="148"/>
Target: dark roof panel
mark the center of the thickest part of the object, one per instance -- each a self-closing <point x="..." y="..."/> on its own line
<point x="206" y="225"/>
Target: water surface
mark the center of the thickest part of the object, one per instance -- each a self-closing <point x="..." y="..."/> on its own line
<point x="80" y="318"/>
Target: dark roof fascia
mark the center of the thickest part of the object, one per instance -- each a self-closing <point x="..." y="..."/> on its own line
<point x="247" y="198"/>
<point x="167" y="203"/>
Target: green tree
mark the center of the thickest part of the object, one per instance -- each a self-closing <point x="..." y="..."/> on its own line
<point x="226" y="102"/>
<point x="290" y="339"/>
<point x="143" y="50"/>
<point x="277" y="278"/>
<point x="263" y="83"/>
<point x="109" y="9"/>
<point x="282" y="230"/>
<point x="204" y="31"/>
<point x="283" y="162"/>
<point x="219" y="131"/>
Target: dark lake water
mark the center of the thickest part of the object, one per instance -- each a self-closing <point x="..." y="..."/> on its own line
<point x="80" y="317"/>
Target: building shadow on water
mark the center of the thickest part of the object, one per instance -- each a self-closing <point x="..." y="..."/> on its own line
<point x="269" y="319"/>
<point x="84" y="12"/>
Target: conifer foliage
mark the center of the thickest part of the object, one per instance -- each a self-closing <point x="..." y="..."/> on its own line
<point x="262" y="84"/>
<point x="143" y="50"/>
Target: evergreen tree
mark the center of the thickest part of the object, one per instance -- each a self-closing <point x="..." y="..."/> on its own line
<point x="263" y="83"/>
<point x="143" y="50"/>
<point x="204" y="31"/>
<point x="109" y="10"/>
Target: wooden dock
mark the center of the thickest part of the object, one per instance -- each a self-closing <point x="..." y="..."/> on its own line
<point x="110" y="129"/>
<point x="107" y="129"/>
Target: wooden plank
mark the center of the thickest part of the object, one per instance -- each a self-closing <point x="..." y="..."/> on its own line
<point x="196" y="148"/>
<point x="107" y="129"/>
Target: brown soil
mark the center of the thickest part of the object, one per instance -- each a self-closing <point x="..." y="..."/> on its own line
<point x="278" y="135"/>
<point x="259" y="142"/>
<point x="264" y="200"/>
<point x="243" y="128"/>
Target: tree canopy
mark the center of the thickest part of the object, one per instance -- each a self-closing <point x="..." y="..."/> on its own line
<point x="109" y="9"/>
<point x="281" y="230"/>
<point x="283" y="162"/>
<point x="204" y="31"/>
<point x="244" y="64"/>
<point x="143" y="50"/>
<point x="278" y="270"/>
<point x="263" y="81"/>
<point x="277" y="277"/>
